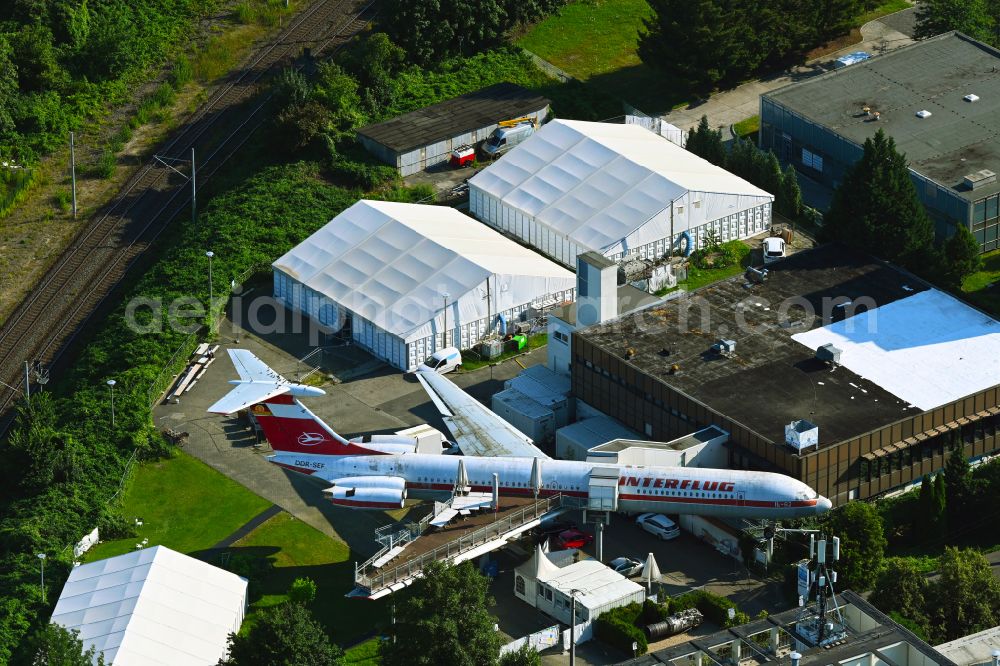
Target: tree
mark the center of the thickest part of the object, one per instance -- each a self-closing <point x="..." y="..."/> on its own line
<point x="445" y="621"/>
<point x="523" y="656"/>
<point x="902" y="588"/>
<point x="433" y="30"/>
<point x="8" y="90"/>
<point x="928" y="520"/>
<point x="377" y="61"/>
<point x="285" y="634"/>
<point x="961" y="256"/>
<point x="966" y="596"/>
<point x="695" y="43"/>
<point x="941" y="513"/>
<point x="303" y="591"/>
<point x="55" y="645"/>
<point x="862" y="543"/>
<point x="706" y="142"/>
<point x="876" y="208"/>
<point x="957" y="483"/>
<point x="976" y="18"/>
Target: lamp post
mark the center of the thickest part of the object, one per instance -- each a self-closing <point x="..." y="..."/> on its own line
<point x="41" y="556"/>
<point x="444" y="334"/>
<point x="210" y="254"/>
<point x="111" y="384"/>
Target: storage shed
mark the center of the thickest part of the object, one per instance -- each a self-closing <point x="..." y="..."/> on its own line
<point x="153" y="606"/>
<point x="425" y="137"/>
<point x="392" y="271"/>
<point x="615" y="189"/>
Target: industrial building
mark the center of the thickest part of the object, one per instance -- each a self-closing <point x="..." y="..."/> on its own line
<point x="939" y="99"/>
<point x="834" y="368"/>
<point x="425" y="137"/>
<point x="410" y="279"/>
<point x="871" y="638"/>
<point x="547" y="580"/>
<point x="614" y="189"/>
<point x="153" y="606"/>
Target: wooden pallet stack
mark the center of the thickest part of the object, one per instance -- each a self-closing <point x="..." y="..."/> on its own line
<point x="202" y="357"/>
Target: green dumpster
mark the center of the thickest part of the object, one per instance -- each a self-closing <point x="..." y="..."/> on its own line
<point x="522" y="341"/>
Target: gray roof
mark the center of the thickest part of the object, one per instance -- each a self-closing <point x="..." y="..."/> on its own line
<point x="772" y="379"/>
<point x="958" y="138"/>
<point x="453" y="117"/>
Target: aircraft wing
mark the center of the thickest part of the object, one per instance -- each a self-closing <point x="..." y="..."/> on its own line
<point x="257" y="383"/>
<point x="476" y="429"/>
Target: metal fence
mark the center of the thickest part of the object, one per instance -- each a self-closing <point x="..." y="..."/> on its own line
<point x="156" y="388"/>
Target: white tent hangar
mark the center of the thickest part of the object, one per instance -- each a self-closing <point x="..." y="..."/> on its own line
<point x="389" y="268"/>
<point x="153" y="606"/>
<point x="615" y="189"/>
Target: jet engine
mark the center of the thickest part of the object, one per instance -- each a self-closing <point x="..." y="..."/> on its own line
<point x="368" y="492"/>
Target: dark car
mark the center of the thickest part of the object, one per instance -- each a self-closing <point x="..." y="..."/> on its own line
<point x="573" y="539"/>
<point x="551" y="528"/>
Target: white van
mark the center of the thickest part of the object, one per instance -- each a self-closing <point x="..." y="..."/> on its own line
<point x="774" y="249"/>
<point x="504" y="138"/>
<point x="442" y="361"/>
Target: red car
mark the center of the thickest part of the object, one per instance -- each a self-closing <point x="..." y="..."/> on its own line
<point x="573" y="539"/>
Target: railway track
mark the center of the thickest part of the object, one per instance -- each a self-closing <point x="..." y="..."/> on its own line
<point x="46" y="323"/>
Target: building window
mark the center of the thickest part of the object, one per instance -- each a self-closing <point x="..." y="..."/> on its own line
<point x="561" y="337"/>
<point x="812" y="160"/>
<point x="519" y="584"/>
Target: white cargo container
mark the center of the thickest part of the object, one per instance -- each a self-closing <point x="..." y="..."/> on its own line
<point x="548" y="389"/>
<point x="573" y="441"/>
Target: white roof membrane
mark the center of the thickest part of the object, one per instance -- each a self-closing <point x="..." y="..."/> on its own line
<point x="391" y="262"/>
<point x="596" y="183"/>
<point x="153" y="606"/>
<point x="928" y="349"/>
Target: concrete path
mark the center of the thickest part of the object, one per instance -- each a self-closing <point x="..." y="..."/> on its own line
<point x="729" y="107"/>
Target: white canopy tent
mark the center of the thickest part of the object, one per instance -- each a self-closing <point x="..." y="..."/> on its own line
<point x="393" y="267"/>
<point x="153" y="606"/>
<point x="576" y="186"/>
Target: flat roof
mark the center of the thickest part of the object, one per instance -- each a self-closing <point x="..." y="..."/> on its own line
<point x="972" y="649"/>
<point x="629" y="298"/>
<point x="958" y="138"/>
<point x="482" y="108"/>
<point x="773" y="378"/>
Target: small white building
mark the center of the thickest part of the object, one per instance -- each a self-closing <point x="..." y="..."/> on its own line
<point x="153" y="606"/>
<point x="399" y="274"/>
<point x="546" y="585"/>
<point x="615" y="189"/>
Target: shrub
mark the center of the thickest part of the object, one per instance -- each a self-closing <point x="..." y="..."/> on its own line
<point x="105" y="165"/>
<point x="302" y="591"/>
<point x="181" y="73"/>
<point x="619" y="633"/>
<point x="113" y="525"/>
<point x="714" y="607"/>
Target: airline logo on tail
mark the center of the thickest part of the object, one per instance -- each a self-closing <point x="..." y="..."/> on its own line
<point x="311" y="439"/>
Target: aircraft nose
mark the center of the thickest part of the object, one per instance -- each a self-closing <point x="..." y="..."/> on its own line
<point x="823" y="505"/>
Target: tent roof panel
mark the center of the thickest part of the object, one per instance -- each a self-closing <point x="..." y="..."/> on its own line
<point x="393" y="256"/>
<point x="570" y="172"/>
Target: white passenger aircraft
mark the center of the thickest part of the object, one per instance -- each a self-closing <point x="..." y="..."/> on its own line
<point x="380" y="471"/>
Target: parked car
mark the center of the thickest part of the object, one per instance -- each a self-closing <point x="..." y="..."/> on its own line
<point x="658" y="525"/>
<point x="442" y="361"/>
<point x="573" y="539"/>
<point x="774" y="249"/>
<point x="626" y="566"/>
<point x="552" y="528"/>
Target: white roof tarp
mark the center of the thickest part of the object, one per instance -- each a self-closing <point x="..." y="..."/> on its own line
<point x="391" y="263"/>
<point x="928" y="349"/>
<point x="153" y="606"/>
<point x="596" y="585"/>
<point x="598" y="183"/>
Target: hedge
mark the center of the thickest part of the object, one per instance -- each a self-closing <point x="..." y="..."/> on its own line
<point x="715" y="608"/>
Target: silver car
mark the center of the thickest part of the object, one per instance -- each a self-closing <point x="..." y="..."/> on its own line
<point x="626" y="566"/>
<point x="658" y="525"/>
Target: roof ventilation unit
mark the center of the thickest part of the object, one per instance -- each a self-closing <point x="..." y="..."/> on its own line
<point x="725" y="347"/>
<point x="828" y="354"/>
<point x="924" y="114"/>
<point x="971" y="98"/>
<point x="980" y="178"/>
<point x="802" y="433"/>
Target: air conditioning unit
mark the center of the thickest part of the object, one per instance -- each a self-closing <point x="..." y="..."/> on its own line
<point x="980" y="178"/>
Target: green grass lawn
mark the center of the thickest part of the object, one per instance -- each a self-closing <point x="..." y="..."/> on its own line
<point x="977" y="286"/>
<point x="297" y="550"/>
<point x="470" y="362"/>
<point x="595" y="41"/>
<point x="363" y="654"/>
<point x="747" y="127"/>
<point x="184" y="504"/>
